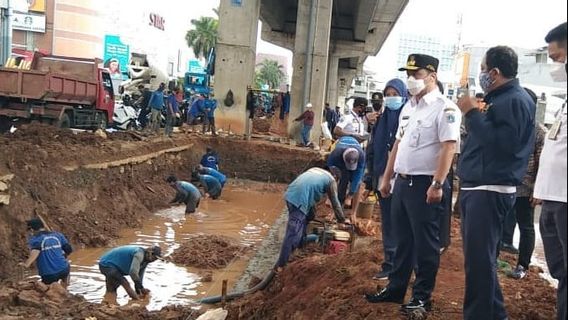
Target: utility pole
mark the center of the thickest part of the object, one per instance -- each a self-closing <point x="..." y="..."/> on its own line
<point x="5" y="30"/>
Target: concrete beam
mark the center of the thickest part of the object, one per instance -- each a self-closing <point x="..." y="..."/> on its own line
<point x="365" y="13"/>
<point x="236" y="56"/>
<point x="284" y="40"/>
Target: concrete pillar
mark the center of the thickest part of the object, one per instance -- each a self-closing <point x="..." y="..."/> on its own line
<point x="346" y="77"/>
<point x="316" y="90"/>
<point x="235" y="63"/>
<point x="333" y="81"/>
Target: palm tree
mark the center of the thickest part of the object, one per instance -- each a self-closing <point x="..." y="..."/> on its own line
<point x="203" y="36"/>
<point x="270" y="73"/>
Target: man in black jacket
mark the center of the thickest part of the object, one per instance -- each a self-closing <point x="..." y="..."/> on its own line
<point x="493" y="162"/>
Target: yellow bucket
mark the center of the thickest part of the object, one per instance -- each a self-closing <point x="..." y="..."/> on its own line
<point x="366" y="209"/>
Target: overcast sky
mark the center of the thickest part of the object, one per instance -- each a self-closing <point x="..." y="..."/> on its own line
<point x="519" y="23"/>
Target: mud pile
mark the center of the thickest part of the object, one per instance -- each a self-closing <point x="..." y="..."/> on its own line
<point x="208" y="252"/>
<point x="35" y="300"/>
<point x="318" y="286"/>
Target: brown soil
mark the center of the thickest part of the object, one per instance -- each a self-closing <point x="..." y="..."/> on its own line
<point x="316" y="286"/>
<point x="208" y="252"/>
<point x="34" y="300"/>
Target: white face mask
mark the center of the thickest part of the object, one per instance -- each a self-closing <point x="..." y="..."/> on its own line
<point x="558" y="72"/>
<point x="415" y="86"/>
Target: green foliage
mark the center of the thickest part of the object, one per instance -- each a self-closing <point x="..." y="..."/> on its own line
<point x="203" y="36"/>
<point x="270" y="73"/>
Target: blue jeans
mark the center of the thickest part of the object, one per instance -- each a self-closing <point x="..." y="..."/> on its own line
<point x="306" y="134"/>
<point x="295" y="233"/>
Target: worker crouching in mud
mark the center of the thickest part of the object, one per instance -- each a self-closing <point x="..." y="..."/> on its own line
<point x="127" y="260"/>
<point x="49" y="250"/>
<point x="186" y="193"/>
<point x="302" y="197"/>
<point x="211" y="186"/>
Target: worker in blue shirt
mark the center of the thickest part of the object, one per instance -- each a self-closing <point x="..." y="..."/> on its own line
<point x="172" y="112"/>
<point x="214" y="173"/>
<point x="195" y="111"/>
<point x="186" y="193"/>
<point x="127" y="260"/>
<point x="210" y="159"/>
<point x="157" y="105"/>
<point x="49" y="250"/>
<point x="209" y="124"/>
<point x="302" y="197"/>
<point x="349" y="157"/>
<point x="210" y="184"/>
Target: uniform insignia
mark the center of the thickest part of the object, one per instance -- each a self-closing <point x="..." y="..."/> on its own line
<point x="451" y="118"/>
<point x="450" y="110"/>
<point x="405" y="118"/>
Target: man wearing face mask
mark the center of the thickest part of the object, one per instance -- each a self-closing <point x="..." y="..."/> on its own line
<point x="551" y="185"/>
<point x="354" y="124"/>
<point x="384" y="137"/>
<point x="493" y="162"/>
<point x="429" y="128"/>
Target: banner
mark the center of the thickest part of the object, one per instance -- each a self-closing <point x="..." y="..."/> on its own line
<point x="36" y="5"/>
<point x="116" y="57"/>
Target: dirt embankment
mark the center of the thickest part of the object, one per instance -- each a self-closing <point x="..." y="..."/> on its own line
<point x="91" y="206"/>
<point x="316" y="286"/>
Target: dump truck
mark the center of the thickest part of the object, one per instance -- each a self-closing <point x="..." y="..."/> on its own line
<point x="63" y="91"/>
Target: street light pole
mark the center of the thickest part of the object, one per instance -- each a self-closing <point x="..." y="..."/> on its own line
<point x="6" y="30"/>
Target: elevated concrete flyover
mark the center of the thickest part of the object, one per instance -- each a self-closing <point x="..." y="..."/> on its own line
<point x="330" y="40"/>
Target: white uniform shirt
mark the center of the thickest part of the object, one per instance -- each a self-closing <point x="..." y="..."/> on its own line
<point x="424" y="125"/>
<point x="551" y="179"/>
<point x="353" y="124"/>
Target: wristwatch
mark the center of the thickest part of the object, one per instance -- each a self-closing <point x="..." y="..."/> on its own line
<point x="437" y="185"/>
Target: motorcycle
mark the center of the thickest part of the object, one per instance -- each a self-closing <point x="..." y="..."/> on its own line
<point x="125" y="115"/>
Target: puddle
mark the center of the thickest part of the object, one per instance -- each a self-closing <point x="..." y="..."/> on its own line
<point x="241" y="214"/>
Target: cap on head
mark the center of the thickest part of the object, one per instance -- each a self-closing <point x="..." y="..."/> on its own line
<point x="421" y="61"/>
<point x="35" y="224"/>
<point x="351" y="159"/>
<point x="309" y="106"/>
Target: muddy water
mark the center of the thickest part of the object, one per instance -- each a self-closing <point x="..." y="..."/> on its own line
<point x="241" y="214"/>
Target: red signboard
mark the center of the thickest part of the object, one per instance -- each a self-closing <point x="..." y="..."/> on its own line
<point x="157" y="21"/>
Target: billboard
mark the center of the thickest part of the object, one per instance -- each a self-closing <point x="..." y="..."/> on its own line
<point x="116" y="57"/>
<point x="28" y="22"/>
<point x="36" y="5"/>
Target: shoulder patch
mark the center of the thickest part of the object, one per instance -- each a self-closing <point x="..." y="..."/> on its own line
<point x="451" y="117"/>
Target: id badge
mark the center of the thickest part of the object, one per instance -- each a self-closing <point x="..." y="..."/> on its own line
<point x="415" y="139"/>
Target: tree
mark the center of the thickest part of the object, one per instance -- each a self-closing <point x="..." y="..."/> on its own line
<point x="270" y="73"/>
<point x="203" y="36"/>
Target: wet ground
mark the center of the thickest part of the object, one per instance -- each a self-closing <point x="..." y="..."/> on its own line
<point x="242" y="214"/>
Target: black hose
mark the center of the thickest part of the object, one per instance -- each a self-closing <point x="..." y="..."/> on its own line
<point x="232" y="296"/>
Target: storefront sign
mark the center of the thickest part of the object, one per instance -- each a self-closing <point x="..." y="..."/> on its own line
<point x="157" y="21"/>
<point x="28" y="22"/>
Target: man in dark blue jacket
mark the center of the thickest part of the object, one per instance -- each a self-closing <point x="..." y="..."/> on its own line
<point x="210" y="159"/>
<point x="493" y="162"/>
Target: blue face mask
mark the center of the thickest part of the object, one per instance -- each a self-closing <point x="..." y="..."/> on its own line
<point x="393" y="103"/>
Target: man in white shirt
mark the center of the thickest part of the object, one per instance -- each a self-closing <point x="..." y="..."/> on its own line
<point x="354" y="124"/>
<point x="421" y="157"/>
<point x="551" y="185"/>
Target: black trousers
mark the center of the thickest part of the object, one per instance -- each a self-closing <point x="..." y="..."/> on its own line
<point x="446" y="217"/>
<point x="523" y="214"/>
<point x="343" y="185"/>
<point x="417" y="231"/>
<point x="483" y="213"/>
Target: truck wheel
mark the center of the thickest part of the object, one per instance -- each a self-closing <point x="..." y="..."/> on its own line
<point x="5" y="124"/>
<point x="64" y="122"/>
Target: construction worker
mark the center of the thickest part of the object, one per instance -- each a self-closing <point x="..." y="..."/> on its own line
<point x="49" y="250"/>
<point x="127" y="260"/>
<point x="349" y="158"/>
<point x="210" y="184"/>
<point x="210" y="159"/>
<point x="302" y="197"/>
<point x="212" y="172"/>
<point x="425" y="144"/>
<point x="186" y="193"/>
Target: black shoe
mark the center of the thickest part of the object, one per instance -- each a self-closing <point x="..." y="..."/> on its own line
<point x="415" y="304"/>
<point x="509" y="248"/>
<point x="384" y="296"/>
<point x="518" y="273"/>
<point x="383" y="275"/>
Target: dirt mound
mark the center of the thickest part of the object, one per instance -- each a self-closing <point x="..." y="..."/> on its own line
<point x="35" y="300"/>
<point x="208" y="252"/>
<point x="45" y="135"/>
<point x="317" y="286"/>
<point x="260" y="125"/>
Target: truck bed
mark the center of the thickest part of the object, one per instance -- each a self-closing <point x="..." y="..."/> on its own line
<point x="47" y="86"/>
